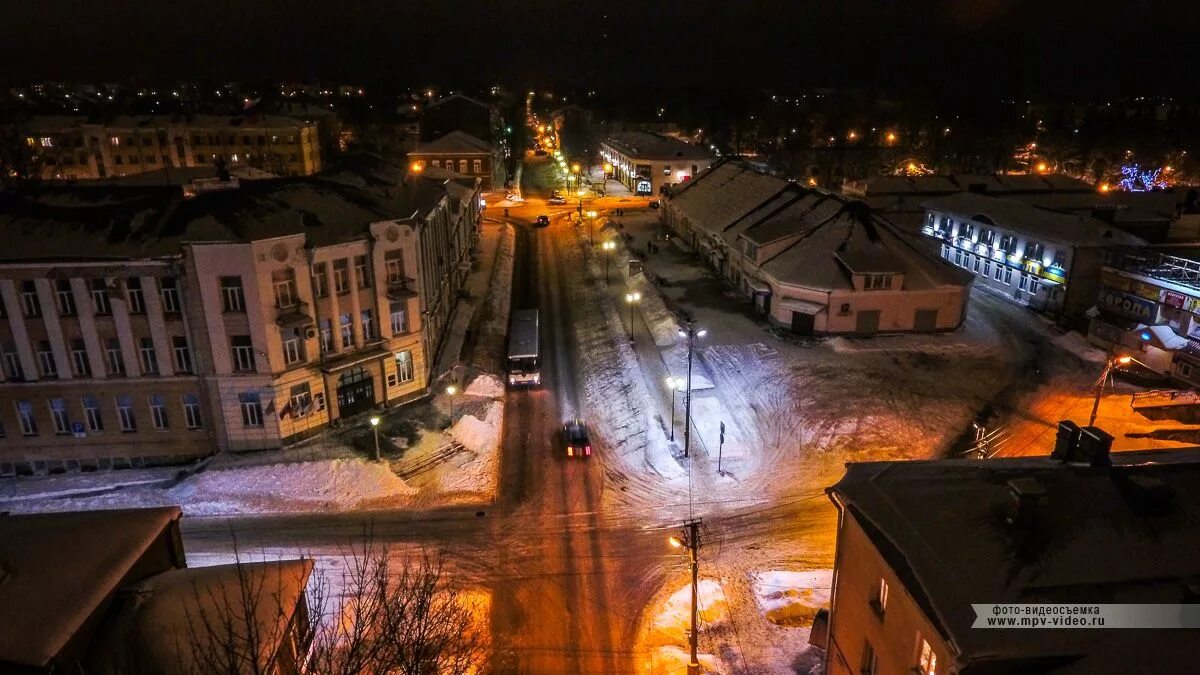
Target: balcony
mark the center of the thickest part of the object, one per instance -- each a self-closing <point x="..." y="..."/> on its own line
<point x="401" y="288"/>
<point x="295" y="315"/>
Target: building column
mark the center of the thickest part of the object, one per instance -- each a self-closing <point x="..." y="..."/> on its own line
<point x="87" y="327"/>
<point x="163" y="349"/>
<point x="120" y="315"/>
<point x="16" y="319"/>
<point x="50" y="318"/>
<point x="335" y="315"/>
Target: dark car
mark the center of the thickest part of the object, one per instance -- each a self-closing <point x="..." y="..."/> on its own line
<point x="653" y="203"/>
<point x="542" y="221"/>
<point x="575" y="438"/>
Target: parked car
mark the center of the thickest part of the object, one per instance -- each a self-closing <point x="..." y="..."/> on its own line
<point x="575" y="439"/>
<point x="542" y="221"/>
<point x="653" y="203"/>
<point x="558" y="200"/>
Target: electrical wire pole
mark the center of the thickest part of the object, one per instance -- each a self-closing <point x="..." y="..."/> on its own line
<point x="690" y="538"/>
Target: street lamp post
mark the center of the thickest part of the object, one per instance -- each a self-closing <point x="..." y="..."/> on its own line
<point x="674" y="384"/>
<point x="690" y="538"/>
<point x="591" y="215"/>
<point x="608" y="247"/>
<point x="375" y="428"/>
<point x="632" y="298"/>
<point x="1112" y="362"/>
<point x="451" y="391"/>
<point x="690" y="333"/>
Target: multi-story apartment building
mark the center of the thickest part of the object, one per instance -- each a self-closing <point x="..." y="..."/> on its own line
<point x="1047" y="260"/>
<point x="461" y="152"/>
<point x="78" y="148"/>
<point x="140" y="326"/>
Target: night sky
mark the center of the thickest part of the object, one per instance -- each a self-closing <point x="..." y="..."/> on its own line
<point x="1013" y="46"/>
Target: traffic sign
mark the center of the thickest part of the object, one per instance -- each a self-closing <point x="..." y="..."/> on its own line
<point x="77" y="428"/>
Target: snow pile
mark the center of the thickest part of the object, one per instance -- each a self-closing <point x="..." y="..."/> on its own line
<point x="1078" y="345"/>
<point x="792" y="598"/>
<point x="493" y="320"/>
<point x="674" y="620"/>
<point x="671" y="660"/>
<point x="486" y="386"/>
<point x="478" y="435"/>
<point x="337" y="484"/>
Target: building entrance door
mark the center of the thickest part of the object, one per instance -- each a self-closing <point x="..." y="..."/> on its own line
<point x="355" y="392"/>
<point x="802" y="324"/>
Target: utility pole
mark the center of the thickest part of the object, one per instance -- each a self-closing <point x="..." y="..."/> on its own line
<point x="690" y="333"/>
<point x="690" y="538"/>
<point x="1113" y="362"/>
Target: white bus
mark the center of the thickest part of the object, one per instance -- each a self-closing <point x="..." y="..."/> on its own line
<point x="524" y="350"/>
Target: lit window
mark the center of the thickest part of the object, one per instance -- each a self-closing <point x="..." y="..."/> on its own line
<point x="58" y="413"/>
<point x="927" y="664"/>
<point x="125" y="413"/>
<point x="191" y="411"/>
<point x="26" y="418"/>
<point x="91" y="412"/>
<point x="404" y="366"/>
<point x="881" y="597"/>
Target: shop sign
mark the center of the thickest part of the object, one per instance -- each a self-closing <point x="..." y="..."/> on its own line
<point x="1127" y="305"/>
<point x="1173" y="299"/>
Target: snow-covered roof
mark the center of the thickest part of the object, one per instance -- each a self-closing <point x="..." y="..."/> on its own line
<point x="454" y="143"/>
<point x="646" y="145"/>
<point x="177" y="622"/>
<point x="1100" y="536"/>
<point x="838" y="237"/>
<point x="1065" y="228"/>
<point x="875" y="186"/>
<point x="57" y="569"/>
<point x="720" y="195"/>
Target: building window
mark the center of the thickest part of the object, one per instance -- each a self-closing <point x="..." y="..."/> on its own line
<point x="879" y="602"/>
<point x="170" y="296"/>
<point x="301" y="400"/>
<point x="404" y="366"/>
<point x="394" y="265"/>
<point x="47" y="142"/>
<point x="149" y="359"/>
<point x="1034" y="285"/>
<point x="987" y="268"/>
<point x="133" y="294"/>
<point x="58" y="413"/>
<point x="66" y="299"/>
<point x="125" y="413"/>
<point x="320" y="283"/>
<point x="477" y="166"/>
<point x="30" y="304"/>
<point x="25" y="417"/>
<point x="958" y="257"/>
<point x="293" y="346"/>
<point x="158" y="412"/>
<point x="341" y="277"/>
<point x="975" y="265"/>
<point x="362" y="276"/>
<point x="927" y="661"/>
<point x="399" y="318"/>
<point x="875" y="282"/>
<point x="46" y="359"/>
<point x="1008" y="276"/>
<point x="183" y="355"/>
<point x="116" y="361"/>
<point x="999" y="271"/>
<point x="1034" y="251"/>
<point x="284" y="282"/>
<point x="91" y="413"/>
<point x="1008" y="244"/>
<point x="80" y="365"/>
<point x="347" y="331"/>
<point x="367" y="318"/>
<point x="462" y="166"/>
<point x="252" y="412"/>
<point x="191" y="411"/>
<point x="1024" y="282"/>
<point x="99" y="288"/>
<point x="233" y="298"/>
<point x="326" y="335"/>
<point x="946" y="251"/>
<point x="12" y="363"/>
<point x="870" y="660"/>
<point x="243" y="353"/>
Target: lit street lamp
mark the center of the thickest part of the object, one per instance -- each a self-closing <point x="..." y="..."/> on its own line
<point x="375" y="428"/>
<point x="690" y="333"/>
<point x="591" y="215"/>
<point x="608" y="247"/>
<point x="632" y="298"/>
<point x="674" y="384"/>
<point x="1113" y="362"/>
<point x="690" y="539"/>
<point x="451" y="391"/>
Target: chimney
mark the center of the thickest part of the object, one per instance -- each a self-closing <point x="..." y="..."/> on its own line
<point x="1066" y="442"/>
<point x="1025" y="495"/>
<point x="1094" y="446"/>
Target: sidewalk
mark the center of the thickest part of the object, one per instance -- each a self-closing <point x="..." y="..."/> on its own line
<point x="464" y="321"/>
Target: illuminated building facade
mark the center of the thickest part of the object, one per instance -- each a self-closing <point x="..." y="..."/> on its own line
<point x="646" y="163"/>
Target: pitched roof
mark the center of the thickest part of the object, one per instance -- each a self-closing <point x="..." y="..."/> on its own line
<point x="963" y="551"/>
<point x="458" y="97"/>
<point x="1018" y="216"/>
<point x="56" y="569"/>
<point x="646" y="145"/>
<point x="724" y="193"/>
<point x="454" y="143"/>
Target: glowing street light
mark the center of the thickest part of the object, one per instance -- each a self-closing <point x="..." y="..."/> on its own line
<point x="451" y="391"/>
<point x="632" y="299"/>
<point x="375" y="428"/>
<point x="1113" y="362"/>
<point x="609" y="247"/>
<point x="891" y="137"/>
<point x="417" y="167"/>
<point x="674" y="384"/>
<point x="690" y="333"/>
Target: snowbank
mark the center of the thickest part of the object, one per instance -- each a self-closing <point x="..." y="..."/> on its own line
<point x="485" y="385"/>
<point x="671" y="660"/>
<point x="337" y="484"/>
<point x="675" y="617"/>
<point x="792" y="598"/>
<point x="1078" y="345"/>
<point x="480" y="472"/>
<point x="478" y="435"/>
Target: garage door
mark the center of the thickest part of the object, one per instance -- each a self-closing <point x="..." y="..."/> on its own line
<point x="867" y="322"/>
<point x="802" y="324"/>
<point x="926" y="320"/>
